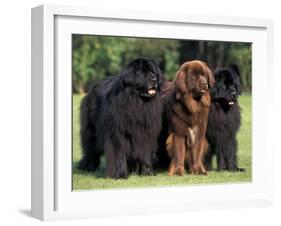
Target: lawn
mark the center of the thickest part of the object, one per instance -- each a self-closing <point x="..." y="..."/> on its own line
<point x="96" y="180"/>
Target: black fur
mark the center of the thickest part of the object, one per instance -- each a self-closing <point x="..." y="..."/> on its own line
<point x="120" y="117"/>
<point x="224" y="120"/>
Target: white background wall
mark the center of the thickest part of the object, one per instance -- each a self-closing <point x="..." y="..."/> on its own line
<point x="15" y="112"/>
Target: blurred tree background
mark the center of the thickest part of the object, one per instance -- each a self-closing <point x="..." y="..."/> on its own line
<point x="95" y="57"/>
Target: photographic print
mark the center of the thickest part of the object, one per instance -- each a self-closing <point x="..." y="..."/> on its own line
<point x="160" y="112"/>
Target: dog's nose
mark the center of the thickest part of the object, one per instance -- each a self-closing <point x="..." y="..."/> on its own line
<point x="233" y="94"/>
<point x="203" y="83"/>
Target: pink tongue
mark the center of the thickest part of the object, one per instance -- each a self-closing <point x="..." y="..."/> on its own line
<point x="151" y="91"/>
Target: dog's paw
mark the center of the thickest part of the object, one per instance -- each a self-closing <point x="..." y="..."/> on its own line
<point x="146" y="171"/>
<point x="180" y="171"/>
<point x="241" y="169"/>
<point x="84" y="164"/>
<point x="177" y="171"/>
<point x="118" y="175"/>
<point x="198" y="169"/>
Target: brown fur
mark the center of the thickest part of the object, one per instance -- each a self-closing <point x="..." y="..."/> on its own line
<point x="188" y="109"/>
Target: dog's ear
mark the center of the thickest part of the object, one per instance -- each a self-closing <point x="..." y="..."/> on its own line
<point x="210" y="76"/>
<point x="235" y="68"/>
<point x="127" y="79"/>
<point x="181" y="82"/>
<point x="238" y="85"/>
<point x="239" y="89"/>
<point x="159" y="73"/>
<point x="167" y="88"/>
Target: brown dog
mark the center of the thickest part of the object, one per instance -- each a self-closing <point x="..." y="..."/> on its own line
<point x="187" y="109"/>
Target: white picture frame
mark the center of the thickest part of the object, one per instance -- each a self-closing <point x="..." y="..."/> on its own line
<point x="52" y="196"/>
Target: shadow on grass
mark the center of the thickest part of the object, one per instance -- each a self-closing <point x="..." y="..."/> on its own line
<point x="99" y="173"/>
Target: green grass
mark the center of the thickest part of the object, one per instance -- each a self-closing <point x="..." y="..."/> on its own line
<point x="96" y="180"/>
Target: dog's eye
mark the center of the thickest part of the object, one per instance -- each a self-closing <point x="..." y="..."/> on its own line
<point x="193" y="76"/>
<point x="220" y="83"/>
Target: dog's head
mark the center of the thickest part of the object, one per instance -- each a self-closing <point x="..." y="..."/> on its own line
<point x="193" y="77"/>
<point x="227" y="88"/>
<point x="144" y="76"/>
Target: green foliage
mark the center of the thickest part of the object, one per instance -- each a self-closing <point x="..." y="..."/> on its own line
<point x="241" y="53"/>
<point x="171" y="67"/>
<point x="95" y="57"/>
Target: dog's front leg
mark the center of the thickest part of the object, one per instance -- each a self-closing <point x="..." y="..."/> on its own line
<point x="178" y="158"/>
<point x="197" y="152"/>
<point x="116" y="161"/>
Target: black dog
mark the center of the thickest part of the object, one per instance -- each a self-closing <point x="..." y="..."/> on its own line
<point x="121" y="115"/>
<point x="224" y="120"/>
